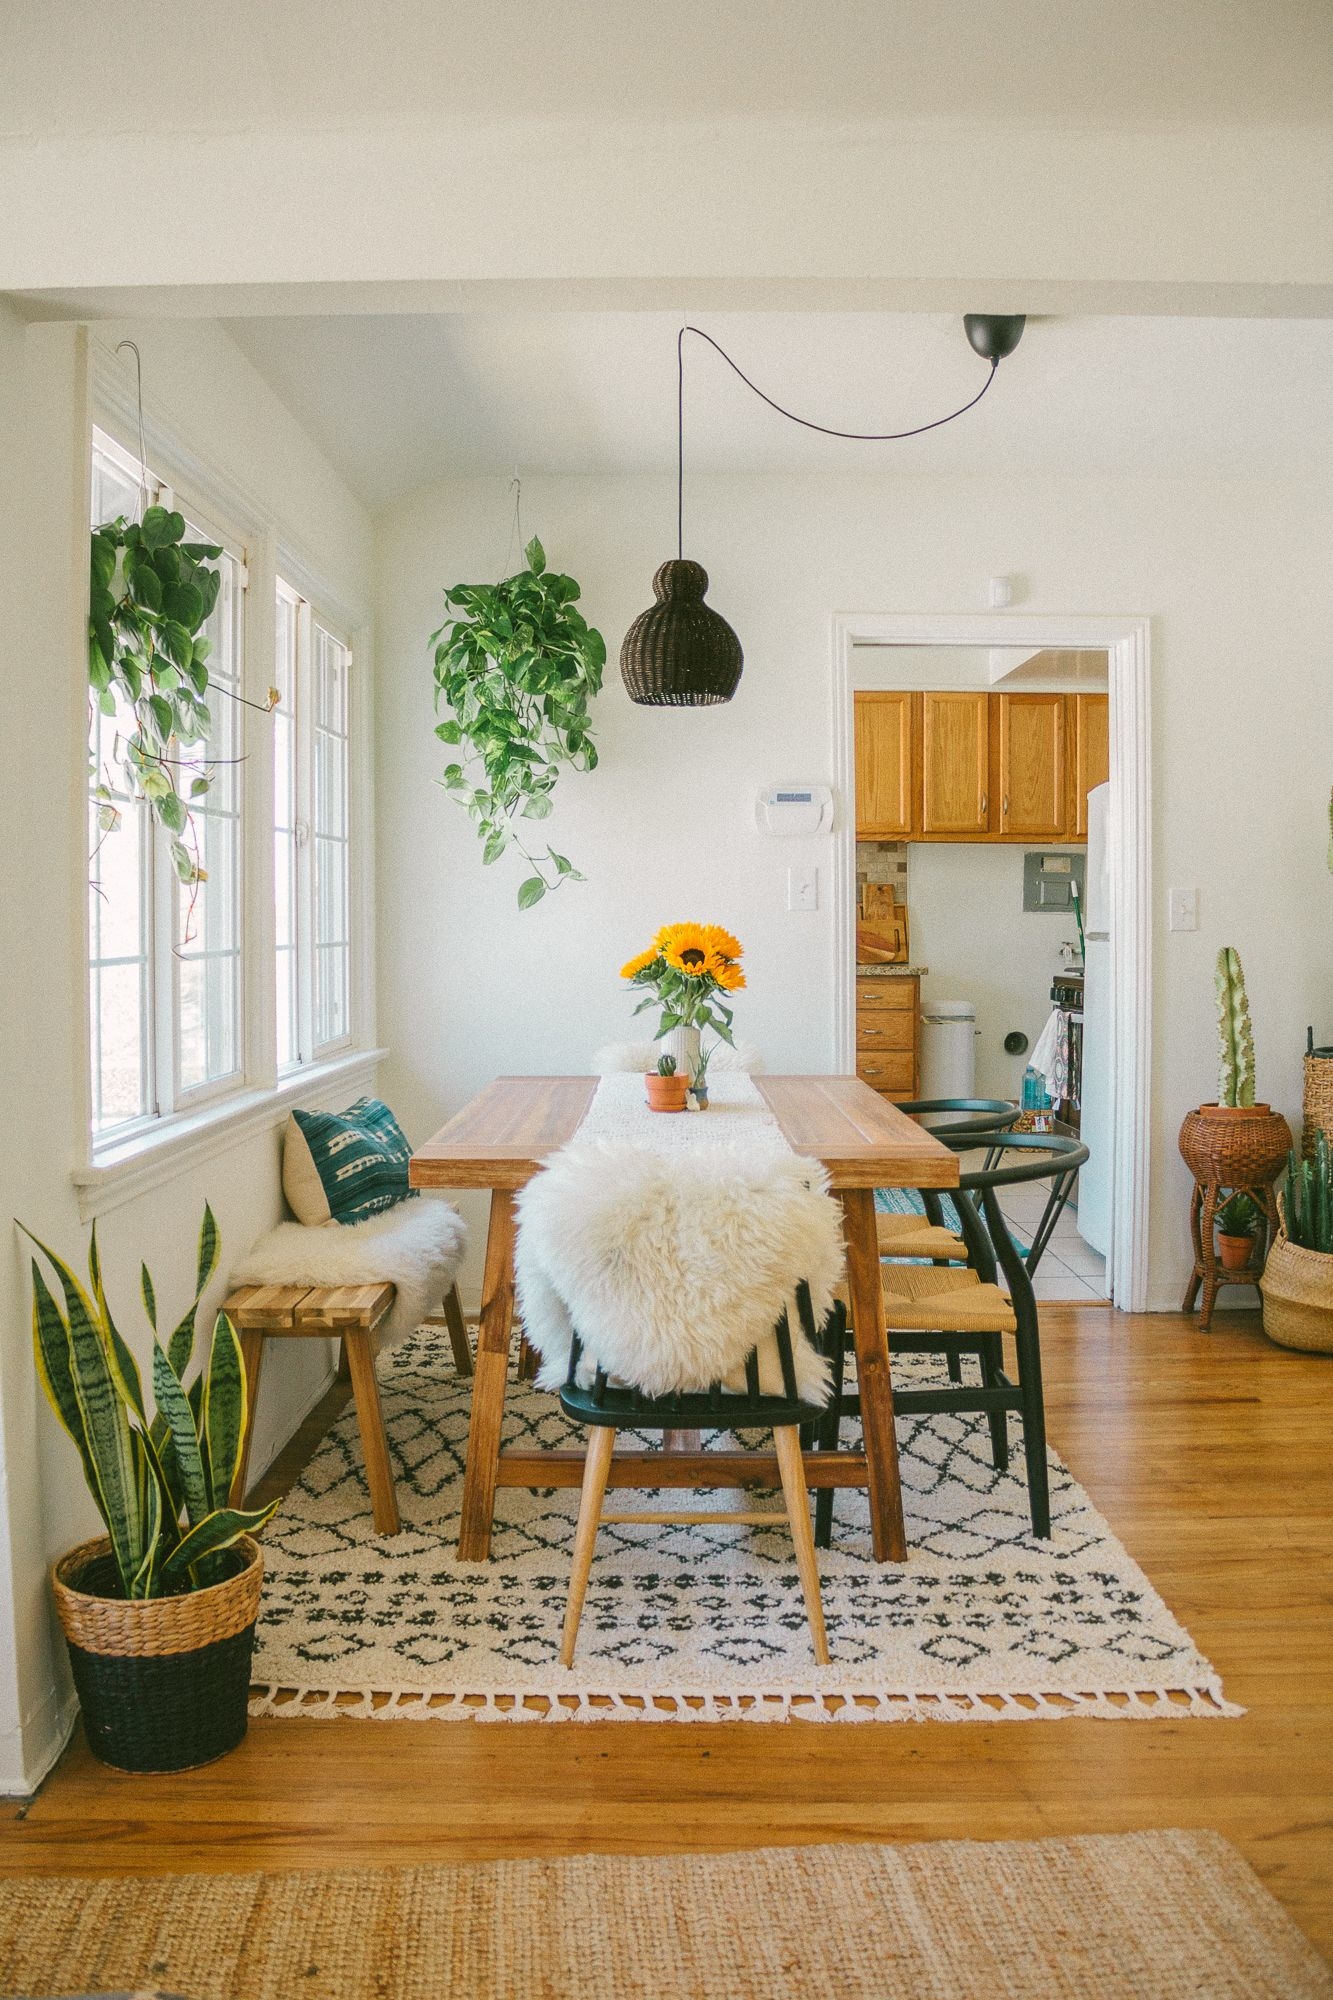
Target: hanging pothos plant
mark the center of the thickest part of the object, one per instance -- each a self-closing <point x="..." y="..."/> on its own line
<point x="518" y="666"/>
<point x="151" y="595"/>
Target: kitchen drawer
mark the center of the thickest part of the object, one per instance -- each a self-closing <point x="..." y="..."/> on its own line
<point x="885" y="1030"/>
<point x="896" y="996"/>
<point x="890" y="1073"/>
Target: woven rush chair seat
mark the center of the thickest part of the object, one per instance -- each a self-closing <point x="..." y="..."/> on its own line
<point x="923" y="1299"/>
<point x="606" y="1406"/>
<point x="917" y="1236"/>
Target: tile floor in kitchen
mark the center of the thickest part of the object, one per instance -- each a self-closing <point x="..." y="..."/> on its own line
<point x="1070" y="1270"/>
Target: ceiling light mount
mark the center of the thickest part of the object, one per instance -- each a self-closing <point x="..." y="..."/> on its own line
<point x="994" y="335"/>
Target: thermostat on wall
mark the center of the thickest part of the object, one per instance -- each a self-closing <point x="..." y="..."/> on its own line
<point x="794" y="808"/>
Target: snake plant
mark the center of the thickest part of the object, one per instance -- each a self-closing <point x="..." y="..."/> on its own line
<point x="1235" y="1081"/>
<point x="1307" y="1198"/>
<point x="161" y="1483"/>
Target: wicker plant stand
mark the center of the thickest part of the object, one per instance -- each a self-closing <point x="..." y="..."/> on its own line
<point x="1239" y="1152"/>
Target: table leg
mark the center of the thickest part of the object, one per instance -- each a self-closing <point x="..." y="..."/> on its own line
<point x="488" y="1387"/>
<point x="874" y="1382"/>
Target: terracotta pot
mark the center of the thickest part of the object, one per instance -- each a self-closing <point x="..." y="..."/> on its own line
<point x="1236" y="1251"/>
<point x="1235" y="1146"/>
<point x="666" y="1093"/>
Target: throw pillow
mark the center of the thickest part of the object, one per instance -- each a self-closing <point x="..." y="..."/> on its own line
<point x="341" y="1166"/>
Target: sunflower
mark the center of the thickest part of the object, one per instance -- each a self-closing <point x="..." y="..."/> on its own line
<point x="691" y="959"/>
<point x="728" y="976"/>
<point x="639" y="963"/>
<point x="684" y="937"/>
<point x="721" y="942"/>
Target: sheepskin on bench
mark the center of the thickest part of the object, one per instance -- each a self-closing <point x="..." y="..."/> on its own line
<point x="673" y="1269"/>
<point x="416" y="1246"/>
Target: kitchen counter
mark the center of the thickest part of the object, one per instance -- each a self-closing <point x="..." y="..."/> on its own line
<point x="891" y="971"/>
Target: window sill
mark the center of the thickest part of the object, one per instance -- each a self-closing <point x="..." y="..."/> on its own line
<point x="121" y="1172"/>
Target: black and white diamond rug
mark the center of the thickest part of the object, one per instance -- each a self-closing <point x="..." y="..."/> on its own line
<point x="982" y="1623"/>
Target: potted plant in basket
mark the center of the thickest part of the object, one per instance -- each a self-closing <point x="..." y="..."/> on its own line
<point x="1238" y="1221"/>
<point x="1234" y="1143"/>
<point x="160" y="1612"/>
<point x="686" y="971"/>
<point x="1297" y="1283"/>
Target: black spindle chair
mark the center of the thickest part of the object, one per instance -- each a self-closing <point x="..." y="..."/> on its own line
<point x="932" y="1310"/>
<point x="607" y="1406"/>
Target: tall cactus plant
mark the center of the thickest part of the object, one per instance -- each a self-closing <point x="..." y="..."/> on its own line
<point x="1307" y="1198"/>
<point x="1235" y="1081"/>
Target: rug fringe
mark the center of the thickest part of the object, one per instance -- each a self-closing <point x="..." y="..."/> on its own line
<point x="815" y="1705"/>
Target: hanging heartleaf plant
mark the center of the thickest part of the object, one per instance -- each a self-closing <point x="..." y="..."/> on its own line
<point x="518" y="667"/>
<point x="150" y="597"/>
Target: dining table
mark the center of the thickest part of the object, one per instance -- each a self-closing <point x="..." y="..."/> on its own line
<point x="500" y="1139"/>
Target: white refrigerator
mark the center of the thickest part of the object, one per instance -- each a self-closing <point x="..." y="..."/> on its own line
<point x="1094" y="1182"/>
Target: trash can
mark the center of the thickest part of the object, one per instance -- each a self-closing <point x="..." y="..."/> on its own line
<point x="948" y="1048"/>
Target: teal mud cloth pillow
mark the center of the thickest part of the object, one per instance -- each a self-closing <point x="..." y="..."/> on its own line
<point x="343" y="1166"/>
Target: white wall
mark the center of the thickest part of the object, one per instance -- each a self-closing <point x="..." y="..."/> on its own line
<point x="1235" y="577"/>
<point x="198" y="382"/>
<point x="968" y="924"/>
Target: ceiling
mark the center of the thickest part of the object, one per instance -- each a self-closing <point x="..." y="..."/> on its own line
<point x="324" y="65"/>
<point x="397" y="403"/>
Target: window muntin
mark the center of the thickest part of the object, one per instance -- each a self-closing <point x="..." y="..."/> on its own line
<point x="286" y="819"/>
<point x="330" y="826"/>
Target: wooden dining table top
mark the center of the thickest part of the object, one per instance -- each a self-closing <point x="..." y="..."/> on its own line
<point x="501" y="1137"/>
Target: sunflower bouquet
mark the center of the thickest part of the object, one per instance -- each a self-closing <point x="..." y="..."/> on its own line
<point x="686" y="971"/>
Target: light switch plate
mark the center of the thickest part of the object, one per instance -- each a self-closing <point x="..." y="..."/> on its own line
<point x="803" y="888"/>
<point x="1182" y="909"/>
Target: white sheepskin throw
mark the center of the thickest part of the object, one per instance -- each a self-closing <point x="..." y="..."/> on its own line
<point x="672" y="1270"/>
<point x="639" y="1057"/>
<point x="416" y="1246"/>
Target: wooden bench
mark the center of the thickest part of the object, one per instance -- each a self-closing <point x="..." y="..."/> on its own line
<point x="352" y="1314"/>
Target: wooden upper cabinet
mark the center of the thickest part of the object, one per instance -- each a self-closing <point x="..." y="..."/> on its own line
<point x="955" y="765"/>
<point x="1034" y="803"/>
<point x="883" y="766"/>
<point x="1092" y="754"/>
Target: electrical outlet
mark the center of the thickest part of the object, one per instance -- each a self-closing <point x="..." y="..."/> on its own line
<point x="1182" y="909"/>
<point x="802" y="888"/>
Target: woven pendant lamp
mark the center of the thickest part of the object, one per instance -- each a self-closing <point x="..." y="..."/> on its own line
<point x="680" y="653"/>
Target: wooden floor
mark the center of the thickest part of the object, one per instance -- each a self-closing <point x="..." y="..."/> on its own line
<point x="1212" y="1457"/>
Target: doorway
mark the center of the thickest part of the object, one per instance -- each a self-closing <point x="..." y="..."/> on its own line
<point x="934" y="645"/>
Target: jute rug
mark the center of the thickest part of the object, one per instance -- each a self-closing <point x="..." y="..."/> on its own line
<point x="1143" y="1916"/>
<point x="984" y="1621"/>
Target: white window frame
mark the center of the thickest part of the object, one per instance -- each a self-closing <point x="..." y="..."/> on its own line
<point x="130" y="1158"/>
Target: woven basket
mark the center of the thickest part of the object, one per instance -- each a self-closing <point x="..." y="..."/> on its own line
<point x="163" y="1682"/>
<point x="1236" y="1149"/>
<point x="1318" y="1106"/>
<point x="680" y="653"/>
<point x="1297" y="1287"/>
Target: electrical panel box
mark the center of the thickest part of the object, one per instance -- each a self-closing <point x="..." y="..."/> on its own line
<point x="1048" y="881"/>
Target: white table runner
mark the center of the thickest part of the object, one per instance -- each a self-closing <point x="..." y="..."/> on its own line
<point x="737" y="1120"/>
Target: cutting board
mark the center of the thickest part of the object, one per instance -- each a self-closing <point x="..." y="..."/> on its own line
<point x="881" y="932"/>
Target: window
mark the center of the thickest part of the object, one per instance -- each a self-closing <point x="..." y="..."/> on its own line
<point x="165" y="987"/>
<point x="179" y="977"/>
<point x="311" y="832"/>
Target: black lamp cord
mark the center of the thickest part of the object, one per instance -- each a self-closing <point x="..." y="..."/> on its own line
<point x="826" y="430"/>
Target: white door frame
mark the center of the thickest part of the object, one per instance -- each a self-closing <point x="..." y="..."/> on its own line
<point x="1126" y="642"/>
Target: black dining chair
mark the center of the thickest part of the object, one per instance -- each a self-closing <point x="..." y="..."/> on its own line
<point x="934" y="1308"/>
<point x="606" y="1407"/>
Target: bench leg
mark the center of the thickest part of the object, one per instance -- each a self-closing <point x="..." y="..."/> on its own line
<point x="360" y="1350"/>
<point x="344" y="1365"/>
<point x="596" y="1466"/>
<point x="458" y="1340"/>
<point x="252" y="1356"/>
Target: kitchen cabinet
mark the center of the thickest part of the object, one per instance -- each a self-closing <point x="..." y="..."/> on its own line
<point x="1031" y="756"/>
<point x="955" y="766"/>
<point x="883" y="766"/>
<point x="888" y="1034"/>
<point x="1091" y="760"/>
<point x="978" y="766"/>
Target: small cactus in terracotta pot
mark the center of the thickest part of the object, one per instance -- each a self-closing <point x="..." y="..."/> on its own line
<point x="666" y="1090"/>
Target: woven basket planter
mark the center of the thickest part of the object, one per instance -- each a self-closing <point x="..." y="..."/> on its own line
<point x="1297" y="1287"/>
<point x="1243" y="1148"/>
<point x="163" y="1682"/>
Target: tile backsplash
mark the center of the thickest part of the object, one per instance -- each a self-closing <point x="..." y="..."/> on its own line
<point x="883" y="862"/>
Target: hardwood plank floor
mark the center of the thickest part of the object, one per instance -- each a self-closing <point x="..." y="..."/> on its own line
<point x="1209" y="1453"/>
